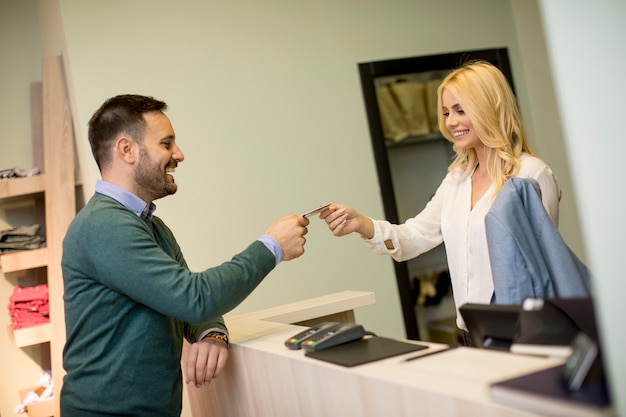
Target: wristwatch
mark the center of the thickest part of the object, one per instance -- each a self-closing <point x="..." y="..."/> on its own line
<point x="218" y="336"/>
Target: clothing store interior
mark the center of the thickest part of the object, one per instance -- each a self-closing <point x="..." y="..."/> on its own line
<point x="393" y="208"/>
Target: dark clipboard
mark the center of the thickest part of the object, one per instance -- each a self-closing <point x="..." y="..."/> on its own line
<point x="365" y="350"/>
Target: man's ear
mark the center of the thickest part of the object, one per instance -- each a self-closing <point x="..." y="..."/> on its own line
<point x="126" y="149"/>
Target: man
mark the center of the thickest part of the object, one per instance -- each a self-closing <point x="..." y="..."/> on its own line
<point x="129" y="295"/>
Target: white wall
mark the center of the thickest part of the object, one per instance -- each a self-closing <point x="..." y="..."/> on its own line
<point x="19" y="66"/>
<point x="280" y="83"/>
<point x="541" y="113"/>
<point x="266" y="103"/>
<point x="586" y="41"/>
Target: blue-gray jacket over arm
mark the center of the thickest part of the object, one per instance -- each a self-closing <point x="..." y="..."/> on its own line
<point x="529" y="258"/>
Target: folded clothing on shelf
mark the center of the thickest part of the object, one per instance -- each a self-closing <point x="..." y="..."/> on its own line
<point x="28" y="306"/>
<point x="21" y="238"/>
<point x="7" y="173"/>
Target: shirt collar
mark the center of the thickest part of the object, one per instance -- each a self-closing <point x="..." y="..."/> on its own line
<point x="126" y="198"/>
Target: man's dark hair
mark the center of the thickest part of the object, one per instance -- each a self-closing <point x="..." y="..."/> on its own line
<point x="119" y="115"/>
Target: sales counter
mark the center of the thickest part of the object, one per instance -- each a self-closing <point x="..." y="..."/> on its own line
<point x="264" y="378"/>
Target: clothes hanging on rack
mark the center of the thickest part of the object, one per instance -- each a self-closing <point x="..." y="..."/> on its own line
<point x="411" y="98"/>
<point x="431" y="103"/>
<point x="403" y="112"/>
<point x="394" y="125"/>
<point x="429" y="288"/>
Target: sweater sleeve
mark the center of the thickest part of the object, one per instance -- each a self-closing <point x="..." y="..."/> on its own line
<point x="139" y="259"/>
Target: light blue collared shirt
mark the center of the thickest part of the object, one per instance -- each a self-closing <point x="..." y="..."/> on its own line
<point x="126" y="198"/>
<point x="145" y="211"/>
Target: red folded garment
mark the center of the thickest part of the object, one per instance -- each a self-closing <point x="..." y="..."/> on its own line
<point x="21" y="294"/>
<point x="28" y="306"/>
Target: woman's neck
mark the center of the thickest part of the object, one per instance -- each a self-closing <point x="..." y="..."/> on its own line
<point x="484" y="156"/>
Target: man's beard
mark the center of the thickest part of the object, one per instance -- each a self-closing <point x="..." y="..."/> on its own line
<point x="152" y="182"/>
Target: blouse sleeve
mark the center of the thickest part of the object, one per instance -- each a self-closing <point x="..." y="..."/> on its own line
<point x="550" y="194"/>
<point x="414" y="237"/>
<point x="535" y="168"/>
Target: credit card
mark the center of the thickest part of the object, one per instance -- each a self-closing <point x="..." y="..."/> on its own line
<point x="316" y="210"/>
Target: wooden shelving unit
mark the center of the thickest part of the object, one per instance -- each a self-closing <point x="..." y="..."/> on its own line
<point x="20" y="261"/>
<point x="22" y="186"/>
<point x="55" y="190"/>
<point x="33" y="335"/>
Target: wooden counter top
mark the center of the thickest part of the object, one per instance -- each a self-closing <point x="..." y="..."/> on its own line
<point x="264" y="378"/>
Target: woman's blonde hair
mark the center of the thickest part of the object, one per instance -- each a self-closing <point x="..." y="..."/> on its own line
<point x="487" y="99"/>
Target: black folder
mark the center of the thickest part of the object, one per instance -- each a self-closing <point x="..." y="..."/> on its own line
<point x="364" y="351"/>
<point x="546" y="392"/>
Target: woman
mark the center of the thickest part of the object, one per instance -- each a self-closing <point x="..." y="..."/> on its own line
<point x="479" y="115"/>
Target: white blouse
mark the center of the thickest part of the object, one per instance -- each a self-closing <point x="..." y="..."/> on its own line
<point x="449" y="218"/>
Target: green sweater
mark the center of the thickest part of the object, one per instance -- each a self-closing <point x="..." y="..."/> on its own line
<point x="129" y="301"/>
